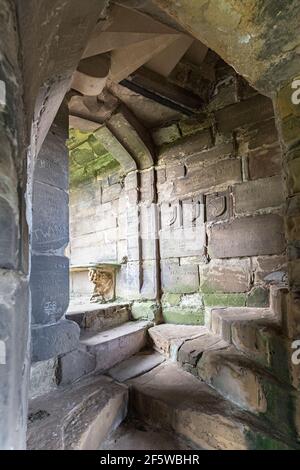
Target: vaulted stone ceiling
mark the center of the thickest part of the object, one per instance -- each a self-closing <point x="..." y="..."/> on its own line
<point x="135" y="74"/>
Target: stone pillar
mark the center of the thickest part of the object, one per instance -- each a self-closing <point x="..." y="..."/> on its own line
<point x="14" y="297"/>
<point x="49" y="281"/>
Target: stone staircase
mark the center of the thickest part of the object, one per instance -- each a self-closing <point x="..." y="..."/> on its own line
<point x="225" y="386"/>
<point x="243" y="355"/>
<point x="108" y="335"/>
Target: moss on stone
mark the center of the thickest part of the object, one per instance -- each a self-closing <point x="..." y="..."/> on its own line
<point x="258" y="441"/>
<point x="193" y="125"/>
<point x="147" y="310"/>
<point x="183" y="316"/>
<point x="258" y="297"/>
<point x="170" y="299"/>
<point x="224" y="300"/>
<point x="88" y="157"/>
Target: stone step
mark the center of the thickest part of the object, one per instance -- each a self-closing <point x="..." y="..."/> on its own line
<point x="256" y="333"/>
<point x="135" y="435"/>
<point x="251" y="387"/>
<point x="136" y="365"/>
<point x="167" y="338"/>
<point x="113" y="346"/>
<point x="99" y="317"/>
<point x="79" y="417"/>
<point x="169" y="398"/>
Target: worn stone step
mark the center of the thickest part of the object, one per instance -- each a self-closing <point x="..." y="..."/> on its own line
<point x="99" y="317"/>
<point x="167" y="338"/>
<point x="135" y="435"/>
<point x="113" y="346"/>
<point x="256" y="333"/>
<point x="174" y="400"/>
<point x="251" y="387"/>
<point x="78" y="417"/>
<point x="136" y="365"/>
<point x="191" y="350"/>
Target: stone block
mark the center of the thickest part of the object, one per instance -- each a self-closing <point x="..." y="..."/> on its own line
<point x="255" y="109"/>
<point x="259" y="194"/>
<point x="149" y="280"/>
<point x="258" y="297"/>
<point x="175" y="171"/>
<point x="183" y="242"/>
<point x="73" y="365"/>
<point x="189" y="145"/>
<point x="129" y="280"/>
<point x="111" y="193"/>
<point x="247" y="236"/>
<point x="265" y="162"/>
<point x="225" y="276"/>
<point x="147" y="193"/>
<point x="193" y="125"/>
<point x="52" y="163"/>
<point x="49" y="284"/>
<point x="270" y="268"/>
<point x="259" y="135"/>
<point x="50" y="226"/>
<point x="179" y="279"/>
<point x="219" y="152"/>
<point x="183" y="316"/>
<point x="8" y="235"/>
<point x="147" y="310"/>
<point x="52" y="340"/>
<point x="225" y="172"/>
<point x="225" y="300"/>
<point x="166" y="135"/>
<point x="170" y="300"/>
<point x="43" y="377"/>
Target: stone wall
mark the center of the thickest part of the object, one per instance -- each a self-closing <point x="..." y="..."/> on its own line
<point x="109" y="216"/>
<point x="221" y="201"/>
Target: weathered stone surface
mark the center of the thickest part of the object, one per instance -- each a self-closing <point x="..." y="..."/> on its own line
<point x="79" y="417"/>
<point x="258" y="297"/>
<point x="179" y="279"/>
<point x="14" y="365"/>
<point x="51" y="340"/>
<point x="173" y="399"/>
<point x="43" y="377"/>
<point x="192" y="350"/>
<point x="145" y="311"/>
<point x="169" y="300"/>
<point x="225" y="276"/>
<point x="183" y="316"/>
<point x="117" y="344"/>
<point x="182" y="242"/>
<point x="52" y="162"/>
<point x="73" y="365"/>
<point x="165" y="135"/>
<point x="111" y="193"/>
<point x="258" y="135"/>
<point x="257" y="108"/>
<point x="187" y="146"/>
<point x="50" y="218"/>
<point x="191" y="126"/>
<point x="265" y="162"/>
<point x="49" y="283"/>
<point x="247" y="236"/>
<point x="167" y="338"/>
<point x="136" y="365"/>
<point x="260" y="194"/>
<point x="270" y="268"/>
<point x="225" y="300"/>
<point x="98" y="317"/>
<point x="205" y="178"/>
<point x="219" y="152"/>
<point x="8" y="235"/>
